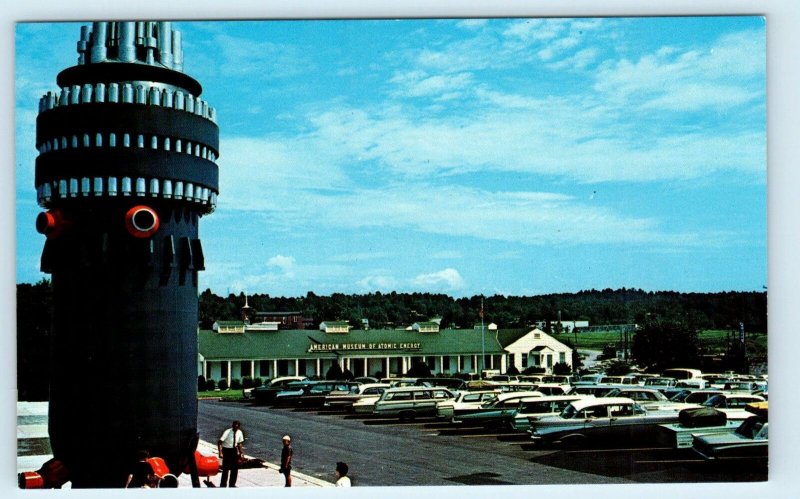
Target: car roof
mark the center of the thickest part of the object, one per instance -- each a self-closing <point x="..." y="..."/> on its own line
<point x="508" y="395"/>
<point x="584" y="403"/>
<point x="554" y="398"/>
<point x="415" y="388"/>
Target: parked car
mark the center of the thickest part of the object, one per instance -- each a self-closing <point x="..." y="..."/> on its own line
<point x="733" y="404"/>
<point x="531" y="409"/>
<point x="695" y="421"/>
<point x="454" y="384"/>
<point x="660" y="383"/>
<point x="410" y="402"/>
<point x="559" y="379"/>
<point x="312" y="393"/>
<point x="344" y="400"/>
<point x="593" y="389"/>
<point x="507" y="400"/>
<point x="607" y="418"/>
<point x="266" y="393"/>
<point x="619" y="380"/>
<point x="680" y="373"/>
<point x="695" y="396"/>
<point x="646" y="397"/>
<point x="464" y="401"/>
<point x="749" y="440"/>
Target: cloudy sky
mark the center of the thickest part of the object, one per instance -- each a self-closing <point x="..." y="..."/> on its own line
<point x="466" y="156"/>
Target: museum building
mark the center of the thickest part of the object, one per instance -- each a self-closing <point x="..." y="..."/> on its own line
<point x="236" y="349"/>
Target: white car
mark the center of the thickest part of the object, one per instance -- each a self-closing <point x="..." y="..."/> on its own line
<point x="530" y="409"/>
<point x="464" y="401"/>
<point x="346" y="399"/>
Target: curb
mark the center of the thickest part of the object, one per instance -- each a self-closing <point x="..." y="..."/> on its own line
<point x="212" y="449"/>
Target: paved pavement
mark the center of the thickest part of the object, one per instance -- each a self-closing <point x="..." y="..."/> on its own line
<point x="33" y="451"/>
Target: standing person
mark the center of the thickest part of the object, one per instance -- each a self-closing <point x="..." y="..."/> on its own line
<point x="286" y="460"/>
<point x="231" y="451"/>
<point x="342" y="480"/>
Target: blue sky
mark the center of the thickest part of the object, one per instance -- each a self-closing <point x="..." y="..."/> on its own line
<point x="511" y="156"/>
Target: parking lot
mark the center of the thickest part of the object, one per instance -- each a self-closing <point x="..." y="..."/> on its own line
<point x="435" y="452"/>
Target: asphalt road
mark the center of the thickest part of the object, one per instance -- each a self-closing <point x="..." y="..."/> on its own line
<point x="431" y="453"/>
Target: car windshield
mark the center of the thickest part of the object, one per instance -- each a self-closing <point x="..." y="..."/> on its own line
<point x="569" y="412"/>
<point x="715" y="401"/>
<point x="489" y="402"/>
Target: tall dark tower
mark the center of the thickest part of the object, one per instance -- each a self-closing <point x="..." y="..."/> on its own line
<point x="126" y="168"/>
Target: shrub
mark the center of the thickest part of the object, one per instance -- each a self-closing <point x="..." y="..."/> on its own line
<point x="211" y="385"/>
<point x="534" y="370"/>
<point x="236" y="384"/>
<point x="561" y="368"/>
<point x="257" y="382"/>
<point x="247" y="382"/>
<point x="512" y="370"/>
<point x="223" y="384"/>
<point x="201" y="383"/>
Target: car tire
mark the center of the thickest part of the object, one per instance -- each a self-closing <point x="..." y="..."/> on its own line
<point x="573" y="442"/>
<point x="406" y="416"/>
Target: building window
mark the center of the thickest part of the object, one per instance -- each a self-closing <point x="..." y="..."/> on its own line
<point x="510" y="359"/>
<point x="446" y="363"/>
<point x="246" y="369"/>
<point x="562" y="357"/>
<point x="263" y="368"/>
<point x="524" y="359"/>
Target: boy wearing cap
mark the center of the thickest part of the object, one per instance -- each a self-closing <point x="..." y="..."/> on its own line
<point x="286" y="460"/>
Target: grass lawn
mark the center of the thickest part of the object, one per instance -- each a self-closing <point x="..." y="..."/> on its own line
<point x="227" y="395"/>
<point x="713" y="340"/>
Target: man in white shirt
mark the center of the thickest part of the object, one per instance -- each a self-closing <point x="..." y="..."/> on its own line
<point x="342" y="480"/>
<point x="231" y="451"/>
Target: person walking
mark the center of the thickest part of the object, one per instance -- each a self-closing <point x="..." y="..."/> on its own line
<point x="231" y="451"/>
<point x="342" y="480"/>
<point x="286" y="460"/>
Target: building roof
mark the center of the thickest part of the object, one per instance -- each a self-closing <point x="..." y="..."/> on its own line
<point x="292" y="344"/>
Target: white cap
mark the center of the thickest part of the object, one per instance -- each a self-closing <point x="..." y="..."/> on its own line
<point x="287" y="437"/>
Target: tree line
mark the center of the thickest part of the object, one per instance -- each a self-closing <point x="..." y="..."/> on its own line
<point x="723" y="310"/>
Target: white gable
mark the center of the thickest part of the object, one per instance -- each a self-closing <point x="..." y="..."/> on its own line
<point x="537" y="342"/>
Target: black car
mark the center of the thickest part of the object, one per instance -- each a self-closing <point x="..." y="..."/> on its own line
<point x="266" y="394"/>
<point x="311" y="393"/>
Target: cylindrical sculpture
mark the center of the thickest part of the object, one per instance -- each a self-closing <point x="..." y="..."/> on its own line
<point x="124" y="173"/>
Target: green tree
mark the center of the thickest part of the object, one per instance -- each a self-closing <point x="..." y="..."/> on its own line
<point x="666" y="343"/>
<point x="334" y="372"/>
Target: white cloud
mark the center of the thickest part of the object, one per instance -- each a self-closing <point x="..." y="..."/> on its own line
<point x="578" y="139"/>
<point x="379" y="282"/>
<point x="728" y="74"/>
<point x="448" y="279"/>
<point x="419" y="84"/>
<point x="284" y="263"/>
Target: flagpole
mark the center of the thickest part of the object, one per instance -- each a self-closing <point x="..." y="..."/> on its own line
<point x="483" y="343"/>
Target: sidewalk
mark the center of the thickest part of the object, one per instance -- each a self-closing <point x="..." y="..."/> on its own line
<point x="33" y="450"/>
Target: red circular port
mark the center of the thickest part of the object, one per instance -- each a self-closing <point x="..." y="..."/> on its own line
<point x="50" y="223"/>
<point x="141" y="221"/>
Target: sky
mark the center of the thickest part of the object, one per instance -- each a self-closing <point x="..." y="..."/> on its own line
<point x="514" y="156"/>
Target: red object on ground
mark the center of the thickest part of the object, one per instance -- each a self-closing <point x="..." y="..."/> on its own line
<point x="159" y="466"/>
